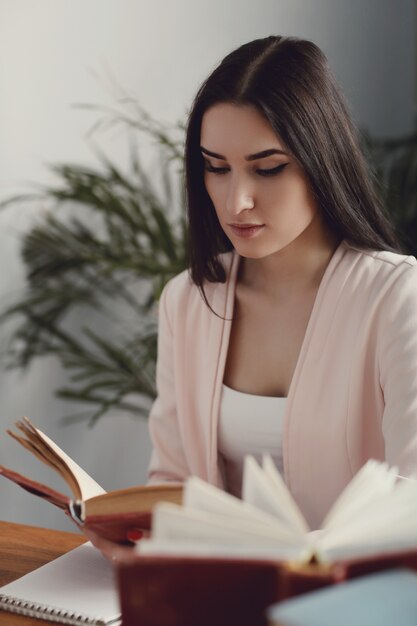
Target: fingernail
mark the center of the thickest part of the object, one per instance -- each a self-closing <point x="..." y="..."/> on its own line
<point x="134" y="534"/>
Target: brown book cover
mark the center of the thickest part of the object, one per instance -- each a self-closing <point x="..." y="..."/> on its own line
<point x="191" y="592"/>
<point x="186" y="591"/>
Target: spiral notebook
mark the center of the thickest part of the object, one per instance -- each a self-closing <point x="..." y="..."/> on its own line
<point x="76" y="588"/>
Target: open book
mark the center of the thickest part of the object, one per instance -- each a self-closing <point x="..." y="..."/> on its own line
<point x="376" y="513"/>
<point x="116" y="515"/>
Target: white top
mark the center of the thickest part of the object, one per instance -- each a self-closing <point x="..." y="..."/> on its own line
<point x="248" y="424"/>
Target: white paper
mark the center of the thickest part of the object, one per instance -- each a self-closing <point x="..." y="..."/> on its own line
<point x="80" y="582"/>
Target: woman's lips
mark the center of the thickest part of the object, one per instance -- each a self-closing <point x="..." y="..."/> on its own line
<point x="246" y="230"/>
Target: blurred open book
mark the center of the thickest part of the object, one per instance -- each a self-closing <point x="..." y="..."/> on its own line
<point x="220" y="560"/>
<point x="376" y="513"/>
<point x="116" y="515"/>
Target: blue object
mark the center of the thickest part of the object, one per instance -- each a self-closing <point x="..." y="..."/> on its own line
<point x="385" y="599"/>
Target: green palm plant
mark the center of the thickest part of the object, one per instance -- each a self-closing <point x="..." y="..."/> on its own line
<point x="103" y="251"/>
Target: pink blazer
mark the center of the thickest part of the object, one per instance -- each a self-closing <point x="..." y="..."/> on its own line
<point x="353" y="395"/>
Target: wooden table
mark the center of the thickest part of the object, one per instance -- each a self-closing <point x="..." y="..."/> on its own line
<point x="25" y="548"/>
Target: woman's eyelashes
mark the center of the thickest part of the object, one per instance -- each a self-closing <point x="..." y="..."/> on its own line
<point x="215" y="170"/>
<point x="272" y="171"/>
<point x="261" y="172"/>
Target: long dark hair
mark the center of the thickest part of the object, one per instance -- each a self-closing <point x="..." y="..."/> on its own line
<point x="288" y="80"/>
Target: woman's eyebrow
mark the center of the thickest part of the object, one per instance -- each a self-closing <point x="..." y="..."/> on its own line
<point x="265" y="153"/>
<point x="249" y="157"/>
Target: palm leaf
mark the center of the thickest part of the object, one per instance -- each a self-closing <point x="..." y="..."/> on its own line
<point x="105" y="247"/>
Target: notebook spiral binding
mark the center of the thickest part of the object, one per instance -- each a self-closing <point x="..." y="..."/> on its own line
<point x="48" y="613"/>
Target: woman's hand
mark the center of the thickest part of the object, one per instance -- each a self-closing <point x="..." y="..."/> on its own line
<point x="113" y="551"/>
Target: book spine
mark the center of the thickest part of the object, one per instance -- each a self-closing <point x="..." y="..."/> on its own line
<point x="294" y="582"/>
<point x="76" y="510"/>
<point x="47" y="613"/>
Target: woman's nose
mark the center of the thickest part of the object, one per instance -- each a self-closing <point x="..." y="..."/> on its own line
<point x="240" y="198"/>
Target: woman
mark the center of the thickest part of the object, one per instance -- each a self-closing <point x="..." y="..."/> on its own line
<point x="295" y="330"/>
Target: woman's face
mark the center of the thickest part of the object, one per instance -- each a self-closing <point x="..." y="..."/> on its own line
<point x="260" y="193"/>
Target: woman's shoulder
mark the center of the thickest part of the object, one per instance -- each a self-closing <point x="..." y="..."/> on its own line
<point x="181" y="290"/>
<point x="380" y="273"/>
<point x="380" y="261"/>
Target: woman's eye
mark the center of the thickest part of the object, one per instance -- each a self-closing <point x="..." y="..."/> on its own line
<point x="216" y="170"/>
<point x="272" y="171"/>
<point x="262" y="172"/>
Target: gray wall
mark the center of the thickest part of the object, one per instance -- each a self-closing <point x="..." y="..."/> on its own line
<point x="54" y="53"/>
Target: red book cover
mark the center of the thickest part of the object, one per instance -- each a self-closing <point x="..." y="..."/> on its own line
<point x="187" y="591"/>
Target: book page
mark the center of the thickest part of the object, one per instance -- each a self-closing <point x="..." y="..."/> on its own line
<point x="178" y="524"/>
<point x="141" y="498"/>
<point x="265" y="491"/>
<point x="373" y="480"/>
<point x="200" y="495"/>
<point x="88" y="486"/>
<point x="179" y="530"/>
<point x="288" y="505"/>
<point x="387" y="524"/>
<point x="180" y="549"/>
